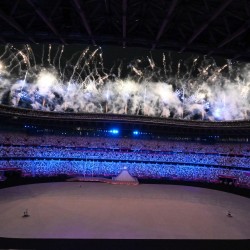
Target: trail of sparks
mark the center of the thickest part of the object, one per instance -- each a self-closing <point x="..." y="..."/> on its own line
<point x="82" y="84"/>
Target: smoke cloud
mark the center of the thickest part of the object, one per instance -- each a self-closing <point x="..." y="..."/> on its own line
<point x="200" y="90"/>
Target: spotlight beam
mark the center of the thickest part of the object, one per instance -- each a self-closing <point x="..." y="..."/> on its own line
<point x="14" y="24"/>
<point x="46" y="20"/>
<point x="84" y="20"/>
<point x="246" y="53"/>
<point x="14" y="8"/>
<point x="108" y="18"/>
<point x="51" y="14"/>
<point x="206" y="24"/>
<point x="165" y="22"/>
<point x="237" y="33"/>
<point x="124" y="22"/>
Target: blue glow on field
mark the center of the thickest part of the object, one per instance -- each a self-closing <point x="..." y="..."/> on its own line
<point x="135" y="132"/>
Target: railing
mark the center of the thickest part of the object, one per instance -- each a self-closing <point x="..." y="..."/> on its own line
<point x="37" y="114"/>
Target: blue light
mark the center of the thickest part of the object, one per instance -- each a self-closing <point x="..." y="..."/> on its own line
<point x="114" y="131"/>
<point x="135" y="132"/>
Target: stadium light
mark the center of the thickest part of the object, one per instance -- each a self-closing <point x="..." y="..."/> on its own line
<point x="114" y="131"/>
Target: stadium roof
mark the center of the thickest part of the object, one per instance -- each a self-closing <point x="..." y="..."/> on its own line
<point x="156" y="125"/>
<point x="208" y="27"/>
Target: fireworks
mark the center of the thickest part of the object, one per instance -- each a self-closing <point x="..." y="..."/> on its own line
<point x="201" y="91"/>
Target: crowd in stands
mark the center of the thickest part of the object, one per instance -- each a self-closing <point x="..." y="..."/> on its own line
<point x="103" y="156"/>
<point x="113" y="168"/>
<point x="121" y="154"/>
<point x="123" y="143"/>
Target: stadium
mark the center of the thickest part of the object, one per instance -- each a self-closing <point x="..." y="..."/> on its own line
<point x="108" y="135"/>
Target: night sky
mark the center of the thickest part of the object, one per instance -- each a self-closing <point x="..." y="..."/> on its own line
<point x="113" y="55"/>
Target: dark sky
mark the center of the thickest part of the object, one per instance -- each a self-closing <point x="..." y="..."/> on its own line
<point x="114" y="54"/>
